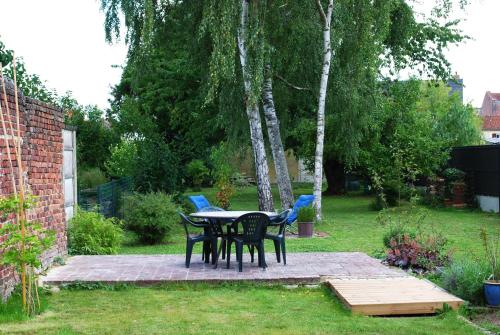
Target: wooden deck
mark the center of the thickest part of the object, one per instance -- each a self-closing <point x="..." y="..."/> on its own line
<point x="392" y="296"/>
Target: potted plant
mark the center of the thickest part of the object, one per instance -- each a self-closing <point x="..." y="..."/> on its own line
<point x="305" y="219"/>
<point x="492" y="285"/>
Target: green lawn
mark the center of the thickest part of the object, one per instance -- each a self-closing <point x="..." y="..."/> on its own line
<point x="350" y="224"/>
<point x="255" y="309"/>
<point x="221" y="309"/>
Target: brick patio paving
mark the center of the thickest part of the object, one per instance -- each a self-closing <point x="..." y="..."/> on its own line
<point x="150" y="269"/>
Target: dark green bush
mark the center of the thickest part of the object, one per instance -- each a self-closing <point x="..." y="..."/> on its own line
<point x="151" y="216"/>
<point x="465" y="278"/>
<point x="453" y="175"/>
<point x="157" y="168"/>
<point x="91" y="233"/>
<point x="394" y="191"/>
<point x="197" y="173"/>
<point x="91" y="178"/>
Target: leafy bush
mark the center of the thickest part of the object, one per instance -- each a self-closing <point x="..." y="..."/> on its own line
<point x="151" y="216"/>
<point x="395" y="191"/>
<point x="197" y="173"/>
<point x="453" y="175"/>
<point x="157" y="167"/>
<point x="403" y="253"/>
<point x="396" y="232"/>
<point x="91" y="233"/>
<point x="410" y="242"/>
<point x="306" y="214"/>
<point x="122" y="160"/>
<point x="222" y="173"/>
<point x="465" y="278"/>
<point x="91" y="178"/>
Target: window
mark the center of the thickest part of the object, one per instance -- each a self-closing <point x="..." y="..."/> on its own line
<point x="495" y="135"/>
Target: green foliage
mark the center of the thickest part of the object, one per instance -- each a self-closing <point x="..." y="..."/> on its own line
<point x="411" y="242"/>
<point x="90" y="233"/>
<point x="94" y="137"/>
<point x="90" y="178"/>
<point x="396" y="232"/>
<point x="30" y="84"/>
<point x="23" y="247"/>
<point x="491" y="244"/>
<point x="12" y="309"/>
<point x="156" y="167"/>
<point x="35" y="240"/>
<point x="122" y="162"/>
<point x="151" y="216"/>
<point x="197" y="173"/>
<point x="306" y="214"/>
<point x="453" y="175"/>
<point x="222" y="173"/>
<point x="465" y="277"/>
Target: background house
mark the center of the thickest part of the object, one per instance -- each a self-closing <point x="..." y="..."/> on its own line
<point x="490" y="113"/>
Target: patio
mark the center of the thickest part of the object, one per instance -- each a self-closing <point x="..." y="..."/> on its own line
<point x="302" y="268"/>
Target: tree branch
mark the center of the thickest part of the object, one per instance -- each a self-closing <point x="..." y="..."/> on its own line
<point x="321" y="11"/>
<point x="298" y="88"/>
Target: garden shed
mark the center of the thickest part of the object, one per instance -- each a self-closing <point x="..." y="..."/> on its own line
<point x="482" y="167"/>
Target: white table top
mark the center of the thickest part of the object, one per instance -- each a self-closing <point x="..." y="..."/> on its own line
<point x="227" y="215"/>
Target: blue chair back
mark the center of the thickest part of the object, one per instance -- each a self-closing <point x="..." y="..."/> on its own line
<point x="303" y="201"/>
<point x="199" y="202"/>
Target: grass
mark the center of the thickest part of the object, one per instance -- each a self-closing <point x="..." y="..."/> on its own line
<point x="350" y="224"/>
<point x="221" y="309"/>
<point x="247" y="308"/>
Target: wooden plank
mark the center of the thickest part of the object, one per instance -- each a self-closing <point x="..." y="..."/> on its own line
<point x="392" y="296"/>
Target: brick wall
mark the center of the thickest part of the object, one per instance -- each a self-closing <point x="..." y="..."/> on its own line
<point x="42" y="156"/>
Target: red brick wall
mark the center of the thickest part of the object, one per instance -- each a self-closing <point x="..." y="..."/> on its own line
<point x="42" y="156"/>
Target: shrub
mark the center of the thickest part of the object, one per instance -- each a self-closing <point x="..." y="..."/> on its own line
<point x="122" y="160"/>
<point x="394" y="191"/>
<point x="404" y="253"/>
<point x="197" y="173"/>
<point x="151" y="216"/>
<point x="91" y="178"/>
<point x="157" y="168"/>
<point x="222" y="173"/>
<point x="453" y="175"/>
<point x="410" y="242"/>
<point x="91" y="233"/>
<point x="465" y="278"/>
<point x="306" y="214"/>
<point x="396" y="232"/>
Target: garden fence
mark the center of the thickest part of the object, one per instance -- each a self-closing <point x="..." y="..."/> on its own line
<point x="107" y="199"/>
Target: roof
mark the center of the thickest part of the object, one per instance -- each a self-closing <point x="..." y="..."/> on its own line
<point x="491" y="122"/>
<point x="494" y="96"/>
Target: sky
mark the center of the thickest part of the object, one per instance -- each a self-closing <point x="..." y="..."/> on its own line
<point x="63" y="42"/>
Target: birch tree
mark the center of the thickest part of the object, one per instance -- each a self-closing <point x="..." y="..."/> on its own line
<point x="252" y="110"/>
<point x="326" y="19"/>
<point x="274" y="134"/>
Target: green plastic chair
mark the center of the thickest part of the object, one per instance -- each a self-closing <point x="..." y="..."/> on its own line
<point x="278" y="237"/>
<point x="254" y="230"/>
<point x="207" y="237"/>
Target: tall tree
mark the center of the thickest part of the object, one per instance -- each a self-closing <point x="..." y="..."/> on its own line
<point x="274" y="134"/>
<point x="326" y="19"/>
<point x="252" y="110"/>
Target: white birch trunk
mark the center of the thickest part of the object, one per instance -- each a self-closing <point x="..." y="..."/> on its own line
<point x="320" y="136"/>
<point x="273" y="131"/>
<point x="252" y="109"/>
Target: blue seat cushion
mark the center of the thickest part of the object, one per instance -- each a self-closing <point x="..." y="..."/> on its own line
<point x="199" y="201"/>
<point x="303" y="201"/>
